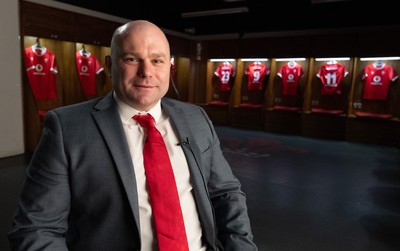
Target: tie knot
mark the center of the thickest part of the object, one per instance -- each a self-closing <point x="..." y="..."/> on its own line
<point x="145" y="120"/>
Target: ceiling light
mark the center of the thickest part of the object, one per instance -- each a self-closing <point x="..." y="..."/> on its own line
<point x="289" y="59"/>
<point x="254" y="59"/>
<point x="215" y="12"/>
<point x="379" y="58"/>
<point x="338" y="59"/>
<point x="222" y="59"/>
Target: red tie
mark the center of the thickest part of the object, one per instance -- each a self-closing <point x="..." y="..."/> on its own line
<point x="164" y="199"/>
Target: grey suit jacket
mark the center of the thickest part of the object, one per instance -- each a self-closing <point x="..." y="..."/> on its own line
<point x="80" y="191"/>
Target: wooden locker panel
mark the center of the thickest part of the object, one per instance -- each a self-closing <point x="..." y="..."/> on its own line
<point x="47" y="22"/>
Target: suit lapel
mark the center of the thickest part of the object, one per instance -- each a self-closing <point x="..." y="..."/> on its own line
<point x="180" y="122"/>
<point x="109" y="123"/>
<point x="181" y="125"/>
<point x="193" y="157"/>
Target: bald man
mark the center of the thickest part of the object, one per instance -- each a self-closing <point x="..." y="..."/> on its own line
<point x="86" y="186"/>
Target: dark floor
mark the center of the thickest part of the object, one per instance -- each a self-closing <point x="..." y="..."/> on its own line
<point x="303" y="194"/>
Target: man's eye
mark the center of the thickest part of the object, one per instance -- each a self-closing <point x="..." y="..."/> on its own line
<point x="129" y="60"/>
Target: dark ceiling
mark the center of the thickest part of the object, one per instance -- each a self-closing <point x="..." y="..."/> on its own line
<point x="262" y="16"/>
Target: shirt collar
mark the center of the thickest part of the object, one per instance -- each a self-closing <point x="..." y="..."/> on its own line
<point x="126" y="112"/>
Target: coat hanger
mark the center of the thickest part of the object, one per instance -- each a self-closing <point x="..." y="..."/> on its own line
<point x="37" y="44"/>
<point x="84" y="48"/>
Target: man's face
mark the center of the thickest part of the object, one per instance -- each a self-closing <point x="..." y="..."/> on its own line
<point x="140" y="69"/>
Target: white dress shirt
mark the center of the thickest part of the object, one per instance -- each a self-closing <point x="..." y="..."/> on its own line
<point x="135" y="135"/>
